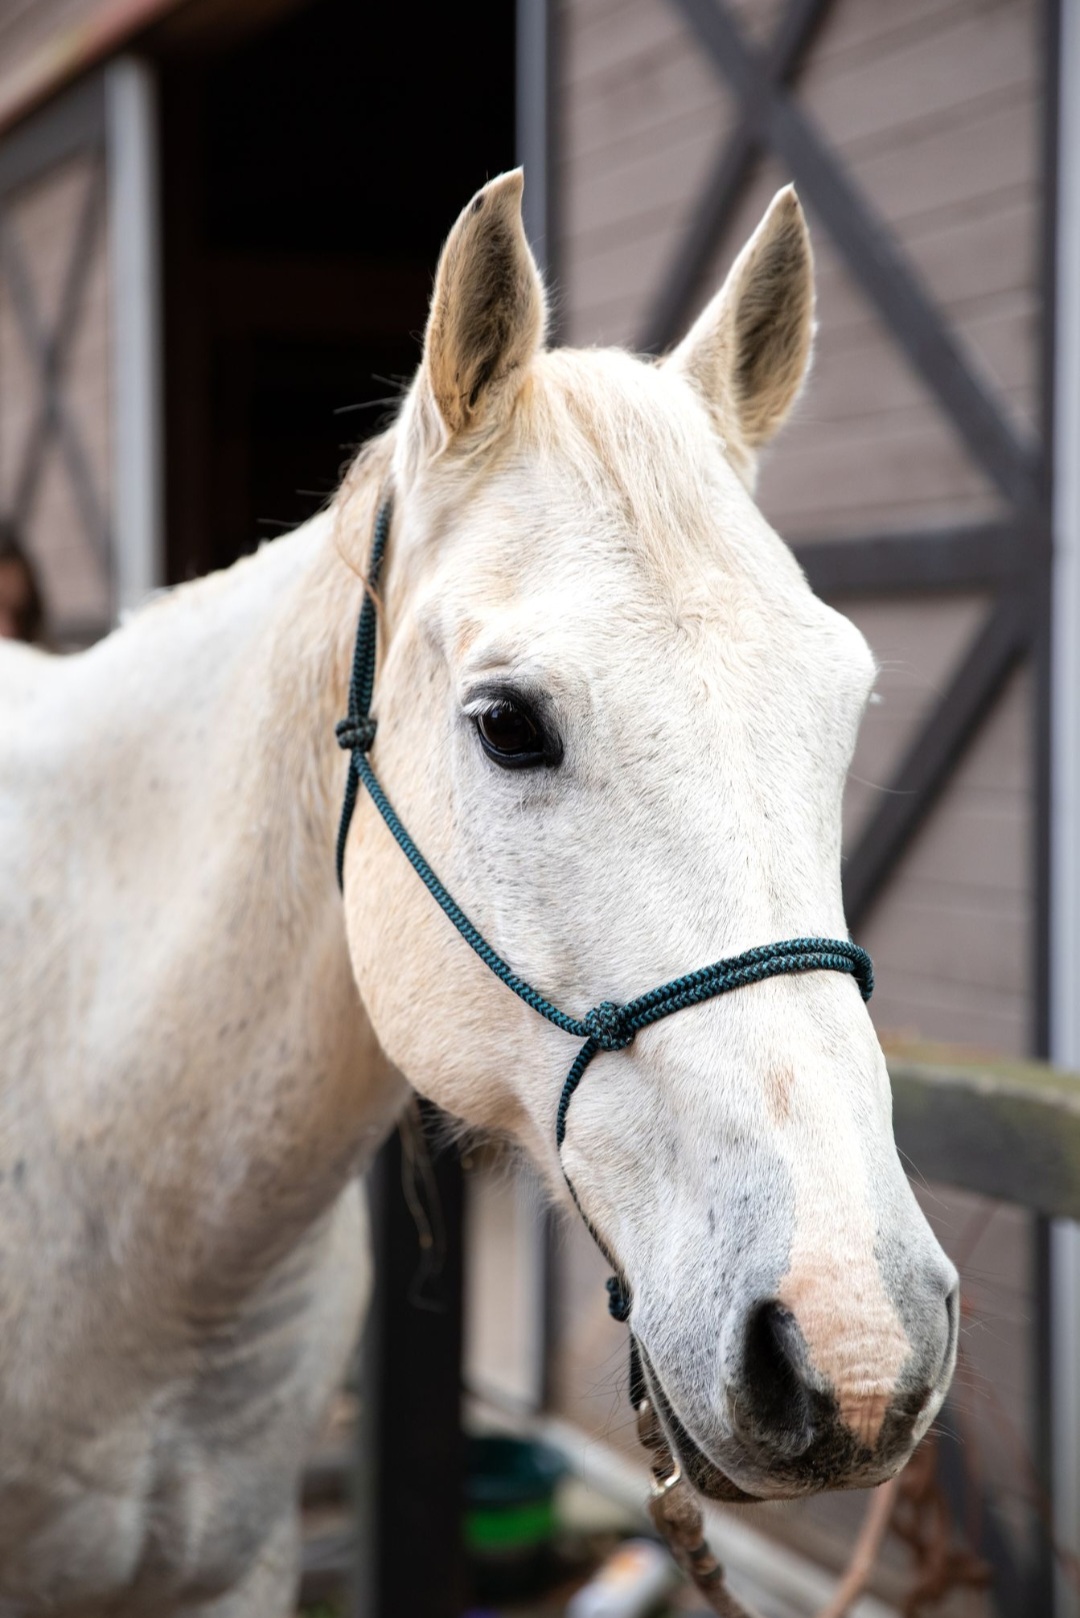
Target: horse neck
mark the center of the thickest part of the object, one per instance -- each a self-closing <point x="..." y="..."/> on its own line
<point x="235" y="1070"/>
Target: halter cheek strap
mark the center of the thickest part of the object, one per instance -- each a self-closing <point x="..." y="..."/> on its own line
<point x="608" y="1026"/>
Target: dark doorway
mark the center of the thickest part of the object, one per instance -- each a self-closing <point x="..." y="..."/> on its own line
<point x="314" y="158"/>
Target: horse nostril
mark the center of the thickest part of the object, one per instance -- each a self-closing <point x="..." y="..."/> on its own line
<point x="952" y="1316"/>
<point x="772" y="1402"/>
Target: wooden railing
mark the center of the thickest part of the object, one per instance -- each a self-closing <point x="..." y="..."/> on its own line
<point x="1009" y="1130"/>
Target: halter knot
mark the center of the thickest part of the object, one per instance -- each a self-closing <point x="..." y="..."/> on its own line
<point x="356" y="734"/>
<point x="608" y="1026"/>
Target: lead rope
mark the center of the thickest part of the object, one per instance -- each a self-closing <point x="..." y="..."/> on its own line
<point x="607" y="1027"/>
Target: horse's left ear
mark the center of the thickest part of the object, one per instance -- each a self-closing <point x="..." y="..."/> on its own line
<point x="487" y="313"/>
<point x="749" y="350"/>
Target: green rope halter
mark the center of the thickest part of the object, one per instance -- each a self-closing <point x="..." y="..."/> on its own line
<point x="608" y="1026"/>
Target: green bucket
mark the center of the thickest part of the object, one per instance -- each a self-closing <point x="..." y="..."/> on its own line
<point x="510" y="1514"/>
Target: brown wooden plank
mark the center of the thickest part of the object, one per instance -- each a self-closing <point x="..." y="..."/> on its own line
<point x="671" y="307"/>
<point x="670" y="94"/>
<point x="974" y="850"/>
<point x="1006" y="1130"/>
<point x="874" y="259"/>
<point x="942" y="167"/>
<point x="966" y="257"/>
<point x="881" y="463"/>
<point x="62" y="132"/>
<point x="918" y="641"/>
<point x="958" y="907"/>
<point x="594" y="50"/>
<point x="603" y="205"/>
<point x="933" y="754"/>
<point x="860" y="30"/>
<point x="975" y="55"/>
<point x="974" y="557"/>
<point x="961" y="937"/>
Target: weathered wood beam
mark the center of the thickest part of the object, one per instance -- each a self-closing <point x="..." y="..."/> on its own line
<point x="671" y="307"/>
<point x="873" y="257"/>
<point x="933" y="755"/>
<point x="982" y="556"/>
<point x="724" y="187"/>
<point x="1008" y="1130"/>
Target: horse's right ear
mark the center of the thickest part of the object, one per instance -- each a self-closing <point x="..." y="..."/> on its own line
<point x="486" y="321"/>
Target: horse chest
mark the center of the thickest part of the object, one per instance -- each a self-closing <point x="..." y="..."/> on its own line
<point x="156" y="1489"/>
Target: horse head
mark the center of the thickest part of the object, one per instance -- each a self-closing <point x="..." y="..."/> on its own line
<point x="617" y="721"/>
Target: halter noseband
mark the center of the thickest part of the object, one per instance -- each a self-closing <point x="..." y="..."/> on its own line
<point x="608" y="1026"/>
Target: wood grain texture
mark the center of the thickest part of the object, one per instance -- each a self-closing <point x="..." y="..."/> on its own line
<point x="933" y="111"/>
<point x="950" y="936"/>
<point x="43" y="217"/>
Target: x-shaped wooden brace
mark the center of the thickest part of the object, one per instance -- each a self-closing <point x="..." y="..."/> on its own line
<point x="736" y="155"/>
<point x="1009" y="555"/>
<point x="770" y="117"/>
<point x="49" y="351"/>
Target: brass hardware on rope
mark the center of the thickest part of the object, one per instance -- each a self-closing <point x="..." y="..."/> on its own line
<point x="676" y="1513"/>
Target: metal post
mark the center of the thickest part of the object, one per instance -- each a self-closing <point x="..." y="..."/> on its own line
<point x="135" y="320"/>
<point x="535" y="126"/>
<point x="1065" y="791"/>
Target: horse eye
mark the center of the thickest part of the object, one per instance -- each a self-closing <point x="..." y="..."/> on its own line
<point x="510" y="735"/>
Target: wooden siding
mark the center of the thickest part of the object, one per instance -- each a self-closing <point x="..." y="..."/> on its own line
<point x="917" y="644"/>
<point x="45" y="44"/>
<point x="648" y="114"/>
<point x="43" y="219"/>
<point x="951" y="934"/>
<point x="933" y="109"/>
<point x="937" y="122"/>
<point x="867" y="449"/>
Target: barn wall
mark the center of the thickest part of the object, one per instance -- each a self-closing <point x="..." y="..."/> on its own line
<point x="934" y="109"/>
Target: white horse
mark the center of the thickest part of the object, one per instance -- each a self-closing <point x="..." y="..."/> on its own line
<point x="577" y="582"/>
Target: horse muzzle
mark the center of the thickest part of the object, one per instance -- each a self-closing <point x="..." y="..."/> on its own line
<point x="784" y="1430"/>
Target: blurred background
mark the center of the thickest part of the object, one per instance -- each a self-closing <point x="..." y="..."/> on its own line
<point x="218" y="225"/>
